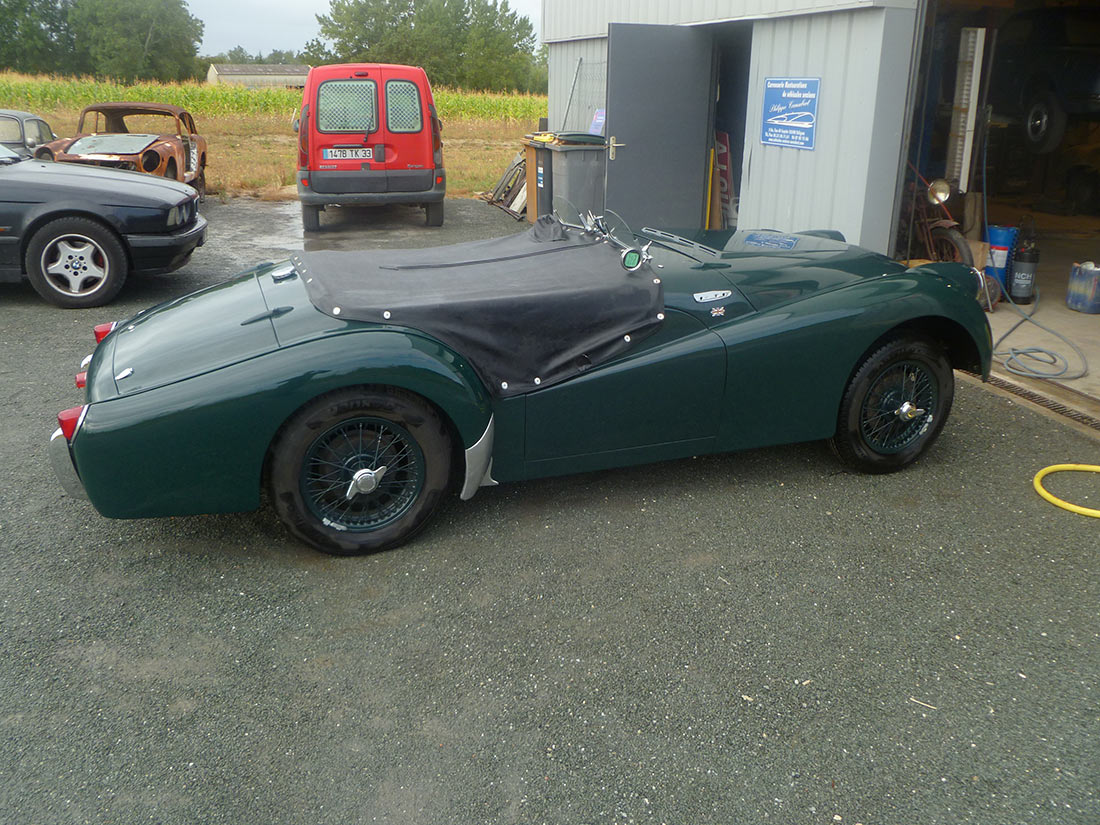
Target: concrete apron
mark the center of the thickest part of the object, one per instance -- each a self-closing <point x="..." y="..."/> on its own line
<point x="1057" y="255"/>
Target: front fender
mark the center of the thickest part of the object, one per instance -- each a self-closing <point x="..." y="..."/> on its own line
<point x="788" y="366"/>
<point x="199" y="445"/>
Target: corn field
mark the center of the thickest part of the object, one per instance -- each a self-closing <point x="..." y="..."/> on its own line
<point x="50" y="94"/>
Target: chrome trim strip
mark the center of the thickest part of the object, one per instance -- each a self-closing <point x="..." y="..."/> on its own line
<point x="479" y="464"/>
<point x="63" y="467"/>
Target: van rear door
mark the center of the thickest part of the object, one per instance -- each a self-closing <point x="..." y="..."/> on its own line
<point x="347" y="147"/>
<point x="407" y="127"/>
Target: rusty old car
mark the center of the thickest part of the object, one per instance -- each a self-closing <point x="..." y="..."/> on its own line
<point x="155" y="138"/>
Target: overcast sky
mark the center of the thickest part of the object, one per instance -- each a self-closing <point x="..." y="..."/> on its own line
<point x="263" y="25"/>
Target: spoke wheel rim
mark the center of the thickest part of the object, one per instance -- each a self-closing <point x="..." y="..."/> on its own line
<point x="881" y="426"/>
<point x="75" y="264"/>
<point x="332" y="460"/>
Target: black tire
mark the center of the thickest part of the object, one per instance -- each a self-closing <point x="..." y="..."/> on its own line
<point x="876" y="432"/>
<point x="433" y="213"/>
<point x="1044" y="123"/>
<point x="199" y="185"/>
<point x="949" y="245"/>
<point x="76" y="263"/>
<point x="311" y="218"/>
<point x="330" y="447"/>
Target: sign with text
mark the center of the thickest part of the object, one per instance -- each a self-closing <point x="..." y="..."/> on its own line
<point x="790" y="111"/>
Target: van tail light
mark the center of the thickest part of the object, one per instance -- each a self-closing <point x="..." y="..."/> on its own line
<point x="69" y="421"/>
<point x="81" y="380"/>
<point x="103" y="330"/>
<point x="437" y="139"/>
<point x="303" y="138"/>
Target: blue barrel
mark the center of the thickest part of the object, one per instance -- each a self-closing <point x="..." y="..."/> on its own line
<point x="1001" y="240"/>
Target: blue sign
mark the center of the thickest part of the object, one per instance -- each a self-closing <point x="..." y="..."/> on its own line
<point x="790" y="111"/>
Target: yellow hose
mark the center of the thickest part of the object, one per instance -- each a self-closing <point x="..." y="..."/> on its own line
<point x="1057" y="502"/>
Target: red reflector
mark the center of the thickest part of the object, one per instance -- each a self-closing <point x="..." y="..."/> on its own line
<point x="439" y="179"/>
<point x="103" y="330"/>
<point x="81" y="380"/>
<point x="68" y="420"/>
<point x="305" y="181"/>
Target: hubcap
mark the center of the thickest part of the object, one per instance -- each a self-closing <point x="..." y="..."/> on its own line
<point x="364" y="481"/>
<point x="897" y="409"/>
<point x="75" y="265"/>
<point x="362" y="474"/>
<point x="1036" y="123"/>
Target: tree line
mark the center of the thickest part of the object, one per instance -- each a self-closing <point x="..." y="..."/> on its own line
<point x="473" y="44"/>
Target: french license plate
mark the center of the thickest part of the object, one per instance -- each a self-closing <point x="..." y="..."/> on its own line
<point x="347" y="154"/>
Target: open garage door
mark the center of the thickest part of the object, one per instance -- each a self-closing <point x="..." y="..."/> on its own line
<point x="660" y="101"/>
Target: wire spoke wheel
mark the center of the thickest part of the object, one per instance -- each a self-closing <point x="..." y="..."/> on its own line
<point x="362" y="474"/>
<point x="897" y="408"/>
<point x="895" y="405"/>
<point x="360" y="469"/>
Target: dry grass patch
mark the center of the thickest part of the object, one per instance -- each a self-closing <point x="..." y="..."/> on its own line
<point x="256" y="155"/>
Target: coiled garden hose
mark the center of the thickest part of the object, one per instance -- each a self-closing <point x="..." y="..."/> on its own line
<point x="1057" y="502"/>
<point x="1014" y="356"/>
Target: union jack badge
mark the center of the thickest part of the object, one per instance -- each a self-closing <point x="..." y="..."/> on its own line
<point x="717" y="312"/>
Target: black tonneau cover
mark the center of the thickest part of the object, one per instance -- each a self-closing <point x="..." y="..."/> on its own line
<point x="526" y="311"/>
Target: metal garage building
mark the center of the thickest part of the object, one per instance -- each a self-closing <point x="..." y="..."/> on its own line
<point x="819" y="93"/>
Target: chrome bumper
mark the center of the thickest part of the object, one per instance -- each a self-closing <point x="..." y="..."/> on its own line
<point x="63" y="467"/>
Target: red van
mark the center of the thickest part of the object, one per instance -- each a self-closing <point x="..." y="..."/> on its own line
<point x="368" y="133"/>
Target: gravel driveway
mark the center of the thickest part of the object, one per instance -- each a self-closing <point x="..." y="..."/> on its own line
<point x="759" y="637"/>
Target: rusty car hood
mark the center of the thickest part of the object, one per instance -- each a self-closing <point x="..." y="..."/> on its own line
<point x="128" y="144"/>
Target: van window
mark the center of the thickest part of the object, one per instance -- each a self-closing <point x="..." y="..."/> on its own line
<point x="402" y="106"/>
<point x="347" y="106"/>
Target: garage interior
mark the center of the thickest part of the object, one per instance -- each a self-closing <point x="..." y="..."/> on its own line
<point x="1026" y="167"/>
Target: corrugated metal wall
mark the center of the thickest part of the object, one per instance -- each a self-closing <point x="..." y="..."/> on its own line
<point x="573" y="19"/>
<point x="849" y="180"/>
<point x="861" y="52"/>
<point x="578" y="83"/>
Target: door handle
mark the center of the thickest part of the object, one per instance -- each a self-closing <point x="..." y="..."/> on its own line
<point x="611" y="147"/>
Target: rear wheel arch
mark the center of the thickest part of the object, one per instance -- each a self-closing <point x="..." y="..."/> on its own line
<point x="455" y="437"/>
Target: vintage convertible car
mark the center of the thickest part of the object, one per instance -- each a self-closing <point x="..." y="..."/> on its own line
<point x="155" y="138"/>
<point x="359" y="388"/>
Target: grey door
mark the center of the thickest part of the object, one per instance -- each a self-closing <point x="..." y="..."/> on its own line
<point x="660" y="100"/>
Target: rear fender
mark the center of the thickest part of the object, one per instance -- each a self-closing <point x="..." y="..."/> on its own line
<point x="199" y="445"/>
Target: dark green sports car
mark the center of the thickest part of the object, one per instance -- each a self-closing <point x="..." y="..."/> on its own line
<point x="360" y="388"/>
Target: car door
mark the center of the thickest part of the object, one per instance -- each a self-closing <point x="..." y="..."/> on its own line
<point x="662" y="399"/>
<point x="406" y="132"/>
<point x="346" y="140"/>
<point x="11" y="134"/>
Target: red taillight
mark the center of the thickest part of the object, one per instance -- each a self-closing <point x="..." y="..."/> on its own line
<point x="68" y="420"/>
<point x="103" y="330"/>
<point x="81" y="380"/>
